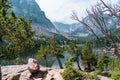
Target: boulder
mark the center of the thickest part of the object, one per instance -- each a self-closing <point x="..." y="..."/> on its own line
<point x="33" y="65"/>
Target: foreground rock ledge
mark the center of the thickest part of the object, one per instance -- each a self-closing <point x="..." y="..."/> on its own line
<point x="21" y="72"/>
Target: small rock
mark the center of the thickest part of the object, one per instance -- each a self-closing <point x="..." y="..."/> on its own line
<point x="33" y="65"/>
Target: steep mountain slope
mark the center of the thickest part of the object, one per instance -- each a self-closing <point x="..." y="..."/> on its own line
<point x="72" y="30"/>
<point x="30" y="10"/>
<point x="79" y="30"/>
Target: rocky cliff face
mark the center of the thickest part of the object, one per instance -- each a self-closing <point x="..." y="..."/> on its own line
<point x="30" y="10"/>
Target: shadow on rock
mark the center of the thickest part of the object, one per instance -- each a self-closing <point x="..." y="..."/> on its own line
<point x="39" y="74"/>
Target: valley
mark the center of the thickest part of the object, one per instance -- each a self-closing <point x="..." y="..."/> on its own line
<point x="87" y="48"/>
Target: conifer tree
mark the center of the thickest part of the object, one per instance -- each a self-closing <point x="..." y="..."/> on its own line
<point x="56" y="50"/>
<point x="103" y="62"/>
<point x="75" y="51"/>
<point x="89" y="59"/>
<point x="15" y="33"/>
<point x="42" y="53"/>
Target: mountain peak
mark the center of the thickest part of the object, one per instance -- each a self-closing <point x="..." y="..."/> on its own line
<point x="31" y="10"/>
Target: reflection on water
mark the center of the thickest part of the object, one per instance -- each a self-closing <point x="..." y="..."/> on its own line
<point x="66" y="56"/>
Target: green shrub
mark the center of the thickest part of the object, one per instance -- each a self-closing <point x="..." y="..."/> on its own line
<point x="97" y="72"/>
<point x="108" y="74"/>
<point x="116" y="64"/>
<point x="71" y="74"/>
<point x="87" y="75"/>
<point x="91" y="75"/>
<point x="115" y="75"/>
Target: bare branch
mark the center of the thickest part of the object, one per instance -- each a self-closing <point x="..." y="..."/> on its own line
<point x="97" y="19"/>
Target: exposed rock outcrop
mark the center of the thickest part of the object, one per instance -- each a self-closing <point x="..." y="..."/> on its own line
<point x="25" y="75"/>
<point x="20" y="72"/>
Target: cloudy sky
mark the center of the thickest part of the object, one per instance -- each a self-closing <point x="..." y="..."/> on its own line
<point x="61" y="10"/>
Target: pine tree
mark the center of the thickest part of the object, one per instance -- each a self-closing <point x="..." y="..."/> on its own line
<point x="42" y="53"/>
<point x="75" y="51"/>
<point x="71" y="73"/>
<point x="56" y="50"/>
<point x="103" y="62"/>
<point x="15" y="33"/>
<point x="17" y="36"/>
<point x="89" y="59"/>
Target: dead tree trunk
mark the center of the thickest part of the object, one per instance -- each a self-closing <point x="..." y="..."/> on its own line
<point x="97" y="20"/>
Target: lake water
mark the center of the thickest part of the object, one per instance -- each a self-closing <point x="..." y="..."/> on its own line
<point x="66" y="56"/>
<point x="52" y="62"/>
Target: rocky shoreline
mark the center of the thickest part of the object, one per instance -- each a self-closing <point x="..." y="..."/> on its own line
<point x="21" y="72"/>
